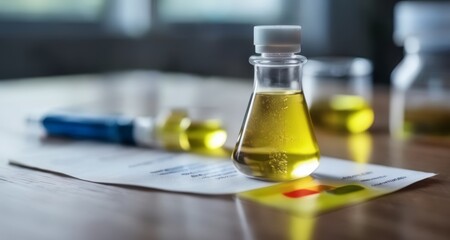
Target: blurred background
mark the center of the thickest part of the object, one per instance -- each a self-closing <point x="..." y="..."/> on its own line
<point x="205" y="37"/>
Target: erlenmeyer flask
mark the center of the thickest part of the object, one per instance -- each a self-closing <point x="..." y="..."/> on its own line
<point x="276" y="141"/>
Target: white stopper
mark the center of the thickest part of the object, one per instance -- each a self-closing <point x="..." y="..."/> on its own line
<point x="277" y="39"/>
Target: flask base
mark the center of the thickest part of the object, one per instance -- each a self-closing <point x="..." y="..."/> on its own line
<point x="277" y="170"/>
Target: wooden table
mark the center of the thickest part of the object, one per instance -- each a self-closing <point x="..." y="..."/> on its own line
<point x="40" y="205"/>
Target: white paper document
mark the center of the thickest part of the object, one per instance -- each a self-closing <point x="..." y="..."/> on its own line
<point x="106" y="163"/>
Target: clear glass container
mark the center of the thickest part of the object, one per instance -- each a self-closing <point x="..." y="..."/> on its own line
<point x="276" y="141"/>
<point x="339" y="93"/>
<point x="421" y="97"/>
<point x="420" y="103"/>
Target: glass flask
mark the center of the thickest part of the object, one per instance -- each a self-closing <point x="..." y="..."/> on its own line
<point x="421" y="81"/>
<point x="339" y="92"/>
<point x="276" y="141"/>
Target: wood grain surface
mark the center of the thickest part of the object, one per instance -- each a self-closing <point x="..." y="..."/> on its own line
<point x="41" y="205"/>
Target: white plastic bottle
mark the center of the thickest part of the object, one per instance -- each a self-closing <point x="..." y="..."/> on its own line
<point x="420" y="104"/>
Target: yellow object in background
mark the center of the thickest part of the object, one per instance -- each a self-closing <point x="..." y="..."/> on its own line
<point x="340" y="93"/>
<point x="207" y="134"/>
<point x="342" y="113"/>
<point x="177" y="132"/>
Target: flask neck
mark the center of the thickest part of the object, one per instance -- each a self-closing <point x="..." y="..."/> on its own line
<point x="278" y="72"/>
<point x="277" y="55"/>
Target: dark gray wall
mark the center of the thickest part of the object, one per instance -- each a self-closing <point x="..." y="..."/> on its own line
<point x="361" y="28"/>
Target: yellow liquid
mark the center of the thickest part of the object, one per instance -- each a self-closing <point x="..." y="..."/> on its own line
<point x="342" y="113"/>
<point x="178" y="133"/>
<point x="277" y="141"/>
<point x="427" y="120"/>
<point x="207" y="134"/>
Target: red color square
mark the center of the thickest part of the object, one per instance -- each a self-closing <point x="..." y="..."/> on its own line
<point x="300" y="193"/>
